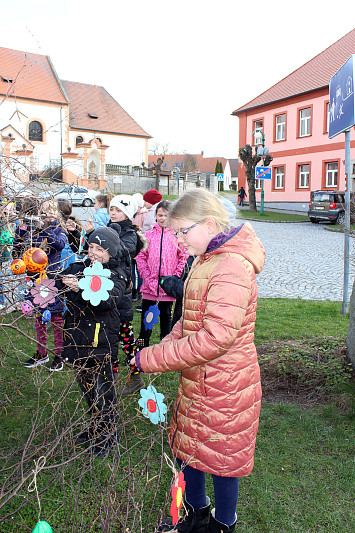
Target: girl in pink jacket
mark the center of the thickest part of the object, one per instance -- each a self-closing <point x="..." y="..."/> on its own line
<point x="216" y="412"/>
<point x="163" y="257"/>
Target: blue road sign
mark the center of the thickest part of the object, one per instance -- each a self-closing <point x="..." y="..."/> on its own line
<point x="220" y="177"/>
<point x="262" y="173"/>
<point x="341" y="99"/>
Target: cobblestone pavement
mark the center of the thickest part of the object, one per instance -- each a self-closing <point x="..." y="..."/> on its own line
<point x="303" y="260"/>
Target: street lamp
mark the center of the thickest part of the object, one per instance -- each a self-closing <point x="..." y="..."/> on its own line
<point x="262" y="151"/>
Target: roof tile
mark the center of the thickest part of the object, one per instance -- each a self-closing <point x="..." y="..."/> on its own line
<point x="88" y="101"/>
<point x="32" y="76"/>
<point x="313" y="75"/>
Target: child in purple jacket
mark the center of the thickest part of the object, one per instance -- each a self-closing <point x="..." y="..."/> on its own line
<point x="45" y="232"/>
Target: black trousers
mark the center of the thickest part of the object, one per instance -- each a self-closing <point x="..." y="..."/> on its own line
<point x="96" y="382"/>
<point x="165" y="319"/>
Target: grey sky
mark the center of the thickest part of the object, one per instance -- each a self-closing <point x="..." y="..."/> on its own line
<point x="179" y="68"/>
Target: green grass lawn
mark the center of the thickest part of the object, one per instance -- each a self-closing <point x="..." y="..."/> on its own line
<point x="271" y="216"/>
<point x="303" y="477"/>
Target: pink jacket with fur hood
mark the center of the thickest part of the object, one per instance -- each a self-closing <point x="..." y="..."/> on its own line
<point x="163" y="257"/>
<point x="216" y="413"/>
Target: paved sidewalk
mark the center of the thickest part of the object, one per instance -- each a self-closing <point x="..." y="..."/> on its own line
<point x="302" y="261"/>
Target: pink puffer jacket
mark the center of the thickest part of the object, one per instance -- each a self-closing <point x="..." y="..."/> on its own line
<point x="216" y="413"/>
<point x="163" y="257"/>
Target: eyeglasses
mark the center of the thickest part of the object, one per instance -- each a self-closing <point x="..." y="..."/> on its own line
<point x="183" y="232"/>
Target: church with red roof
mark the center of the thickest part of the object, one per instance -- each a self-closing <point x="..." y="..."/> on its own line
<point x="45" y="121"/>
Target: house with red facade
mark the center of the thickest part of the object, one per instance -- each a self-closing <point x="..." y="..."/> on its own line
<point x="294" y="118"/>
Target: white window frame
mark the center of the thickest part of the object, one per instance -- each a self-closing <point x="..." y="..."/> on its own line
<point x="331" y="174"/>
<point x="280" y="127"/>
<point x="328" y="117"/>
<point x="305" y="122"/>
<point x="258" y="185"/>
<point x="303" y="177"/>
<point x="258" y="125"/>
<point x="279" y="178"/>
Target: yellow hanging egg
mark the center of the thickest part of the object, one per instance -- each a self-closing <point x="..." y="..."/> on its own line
<point x="35" y="259"/>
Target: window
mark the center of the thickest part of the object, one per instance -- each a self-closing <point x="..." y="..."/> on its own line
<point x="258" y="125"/>
<point x="257" y="185"/>
<point x="78" y="140"/>
<point x="331" y="175"/>
<point x="327" y="117"/>
<point x="279" y="173"/>
<point x="35" y="131"/>
<point x="305" y="122"/>
<point x="303" y="176"/>
<point x="280" y="126"/>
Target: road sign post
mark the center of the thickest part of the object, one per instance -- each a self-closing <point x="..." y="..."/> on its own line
<point x="341" y="119"/>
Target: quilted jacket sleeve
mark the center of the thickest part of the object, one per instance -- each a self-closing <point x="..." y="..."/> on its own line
<point x="227" y="298"/>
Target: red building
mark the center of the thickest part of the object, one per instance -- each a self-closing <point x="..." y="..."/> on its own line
<point x="294" y="117"/>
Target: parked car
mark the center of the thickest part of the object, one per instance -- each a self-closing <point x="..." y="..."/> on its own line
<point x="77" y="195"/>
<point x="329" y="206"/>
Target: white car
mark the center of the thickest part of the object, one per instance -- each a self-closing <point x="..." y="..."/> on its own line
<point x="76" y="195"/>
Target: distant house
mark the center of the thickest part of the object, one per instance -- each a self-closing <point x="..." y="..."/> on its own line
<point x="46" y="123"/>
<point x="294" y="117"/>
<point x="202" y="166"/>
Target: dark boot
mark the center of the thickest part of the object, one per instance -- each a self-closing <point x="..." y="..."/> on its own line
<point x="194" y="521"/>
<point x="216" y="527"/>
<point x="134" y="384"/>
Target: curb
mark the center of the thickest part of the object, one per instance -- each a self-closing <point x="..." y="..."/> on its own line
<point x="275" y="221"/>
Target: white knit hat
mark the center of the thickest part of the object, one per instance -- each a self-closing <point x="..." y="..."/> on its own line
<point x="139" y="199"/>
<point x="125" y="203"/>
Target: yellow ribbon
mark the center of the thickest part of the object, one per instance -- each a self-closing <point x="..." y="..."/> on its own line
<point x="96" y="336"/>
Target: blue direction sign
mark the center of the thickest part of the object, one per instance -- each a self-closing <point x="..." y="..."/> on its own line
<point x="220" y="177"/>
<point x="341" y="99"/>
<point x="262" y="173"/>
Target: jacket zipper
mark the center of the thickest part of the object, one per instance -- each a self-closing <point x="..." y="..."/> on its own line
<point x="161" y="248"/>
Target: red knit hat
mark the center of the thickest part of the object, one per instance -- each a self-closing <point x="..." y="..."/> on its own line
<point x="152" y="197"/>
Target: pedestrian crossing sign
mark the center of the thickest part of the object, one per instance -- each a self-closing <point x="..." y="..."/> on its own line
<point x="220" y="177"/>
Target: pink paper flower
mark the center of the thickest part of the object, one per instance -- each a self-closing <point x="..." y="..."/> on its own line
<point x="44" y="292"/>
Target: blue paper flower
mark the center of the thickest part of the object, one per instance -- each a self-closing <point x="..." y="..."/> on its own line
<point x="152" y="404"/>
<point x="151" y="316"/>
<point x="95" y="284"/>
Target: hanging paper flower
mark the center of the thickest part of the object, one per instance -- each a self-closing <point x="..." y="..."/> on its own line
<point x="46" y="316"/>
<point x="42" y="527"/>
<point x="82" y="240"/>
<point x="44" y="292"/>
<point x="177" y="492"/>
<point x="151" y="316"/>
<point x="36" y="260"/>
<point x="152" y="404"/>
<point x="95" y="284"/>
<point x="27" y="308"/>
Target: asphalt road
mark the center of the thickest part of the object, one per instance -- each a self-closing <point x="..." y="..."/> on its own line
<point x="303" y="260"/>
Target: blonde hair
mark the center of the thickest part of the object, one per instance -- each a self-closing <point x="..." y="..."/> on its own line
<point x="197" y="205"/>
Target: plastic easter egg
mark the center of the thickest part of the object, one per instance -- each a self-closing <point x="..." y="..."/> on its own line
<point x="18" y="266"/>
<point x="46" y="316"/>
<point x="36" y="260"/>
<point x="27" y="308"/>
<point x="42" y="527"/>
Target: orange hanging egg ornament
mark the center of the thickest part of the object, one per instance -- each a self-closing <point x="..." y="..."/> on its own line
<point x="36" y="260"/>
<point x="18" y="266"/>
